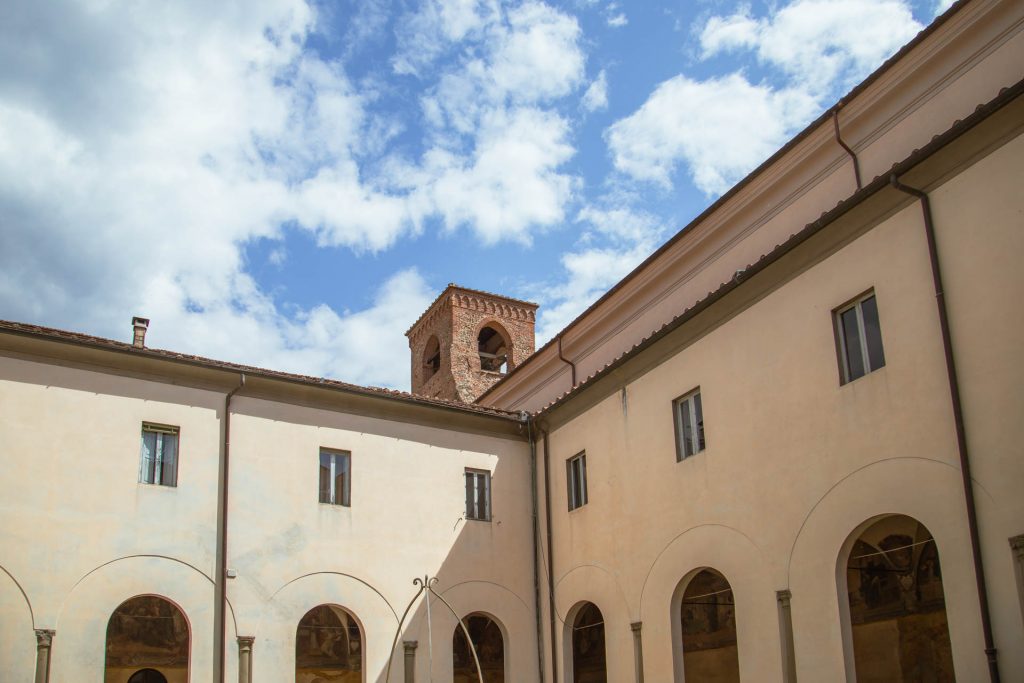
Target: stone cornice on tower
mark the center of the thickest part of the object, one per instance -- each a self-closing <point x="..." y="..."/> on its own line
<point x="476" y="300"/>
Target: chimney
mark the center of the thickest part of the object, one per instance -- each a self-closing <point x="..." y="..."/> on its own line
<point x="139" y="326"/>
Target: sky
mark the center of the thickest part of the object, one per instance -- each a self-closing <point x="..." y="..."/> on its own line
<point x="290" y="183"/>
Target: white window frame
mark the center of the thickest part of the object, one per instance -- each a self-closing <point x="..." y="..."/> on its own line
<point x="689" y="407"/>
<point x="857" y="305"/>
<point x="336" y="457"/>
<point x="151" y="469"/>
<point x="576" y="480"/>
<point x="478" y="482"/>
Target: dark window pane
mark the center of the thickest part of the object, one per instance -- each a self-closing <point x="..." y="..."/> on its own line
<point x="872" y="333"/>
<point x="687" y="422"/>
<point x="343" y="481"/>
<point x="851" y="337"/>
<point x="325" y="477"/>
<point x="699" y="412"/>
<point x="583" y="480"/>
<point x="469" y="495"/>
<point x="169" y="471"/>
<point x="485" y="496"/>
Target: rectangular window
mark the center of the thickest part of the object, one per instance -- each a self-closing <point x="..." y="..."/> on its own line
<point x="335" y="477"/>
<point x="689" y="417"/>
<point x="859" y="338"/>
<point x="158" y="463"/>
<point x="576" y="476"/>
<point x="478" y="495"/>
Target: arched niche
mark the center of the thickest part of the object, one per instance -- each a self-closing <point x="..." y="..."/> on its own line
<point x="431" y="357"/>
<point x="704" y="610"/>
<point x="896" y="627"/>
<point x="328" y="646"/>
<point x="489" y="641"/>
<point x="494" y="347"/>
<point x="585" y="635"/>
<point x="148" y="641"/>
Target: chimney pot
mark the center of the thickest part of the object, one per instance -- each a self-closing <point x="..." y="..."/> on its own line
<point x="139" y="327"/>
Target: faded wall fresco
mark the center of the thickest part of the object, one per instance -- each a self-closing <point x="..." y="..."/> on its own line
<point x="146" y="632"/>
<point x="897" y="607"/>
<point x="490" y="649"/>
<point x="328" y="647"/>
<point x="708" y="618"/>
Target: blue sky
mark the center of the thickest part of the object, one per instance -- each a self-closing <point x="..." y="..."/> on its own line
<point x="289" y="183"/>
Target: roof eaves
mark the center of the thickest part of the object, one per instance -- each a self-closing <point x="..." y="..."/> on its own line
<point x="959" y="127"/>
<point x="735" y="189"/>
<point x="102" y="343"/>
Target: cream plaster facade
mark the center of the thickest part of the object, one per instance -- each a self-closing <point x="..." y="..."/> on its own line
<point x="797" y="463"/>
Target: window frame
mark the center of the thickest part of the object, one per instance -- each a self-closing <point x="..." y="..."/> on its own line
<point x="332" y="497"/>
<point x="856" y="304"/>
<point x="694" y="409"/>
<point x="576" y="501"/>
<point x="474" y="505"/>
<point x="162" y="431"/>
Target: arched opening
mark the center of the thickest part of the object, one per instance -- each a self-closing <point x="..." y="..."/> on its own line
<point x="897" y="606"/>
<point x="707" y="617"/>
<point x="493" y="348"/>
<point x="588" y="652"/>
<point x="147" y="676"/>
<point x="431" y="358"/>
<point x="147" y="642"/>
<point x="490" y="649"/>
<point x="328" y="646"/>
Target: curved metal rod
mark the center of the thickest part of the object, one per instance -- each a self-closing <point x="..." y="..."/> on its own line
<point x="398" y="632"/>
<point x="472" y="647"/>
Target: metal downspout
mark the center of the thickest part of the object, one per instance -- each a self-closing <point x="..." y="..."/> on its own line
<point x="958" y="421"/>
<point x="839" y="139"/>
<point x="219" y="586"/>
<point x="525" y="417"/>
<point x="543" y="428"/>
<point x="566" y="360"/>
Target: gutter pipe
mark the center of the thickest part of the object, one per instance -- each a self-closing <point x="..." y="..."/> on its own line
<point x="566" y="360"/>
<point x="958" y="422"/>
<point x="839" y="139"/>
<point x="543" y="429"/>
<point x="219" y="586"/>
<point x="528" y="421"/>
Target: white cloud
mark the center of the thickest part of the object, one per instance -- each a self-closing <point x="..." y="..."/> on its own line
<point x="942" y="5"/>
<point x="142" y="148"/>
<point x="819" y="43"/>
<point x="617" y="20"/>
<point x="721" y="128"/>
<point x="596" y="95"/>
<point x="615" y="240"/>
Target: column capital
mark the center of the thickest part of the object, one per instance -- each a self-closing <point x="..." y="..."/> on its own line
<point x="1017" y="543"/>
<point x="44" y="637"/>
<point x="636" y="626"/>
<point x="245" y="642"/>
<point x="410" y="645"/>
<point x="784" y="596"/>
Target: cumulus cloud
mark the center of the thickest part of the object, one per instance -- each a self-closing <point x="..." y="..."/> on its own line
<point x="141" y="150"/>
<point x="615" y="239"/>
<point x="720" y="128"/>
<point x="596" y="95"/>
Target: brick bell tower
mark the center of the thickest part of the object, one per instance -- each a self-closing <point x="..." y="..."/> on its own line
<point x="467" y="340"/>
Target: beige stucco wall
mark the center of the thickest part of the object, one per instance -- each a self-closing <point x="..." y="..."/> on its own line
<point x="80" y="535"/>
<point x="961" y="65"/>
<point x="796" y="463"/>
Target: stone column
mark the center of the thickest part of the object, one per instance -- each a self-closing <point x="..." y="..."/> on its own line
<point x="1017" y="544"/>
<point x="638" y="651"/>
<point x="245" y="659"/>
<point x="410" y="660"/>
<point x="44" y="639"/>
<point x="786" y="636"/>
